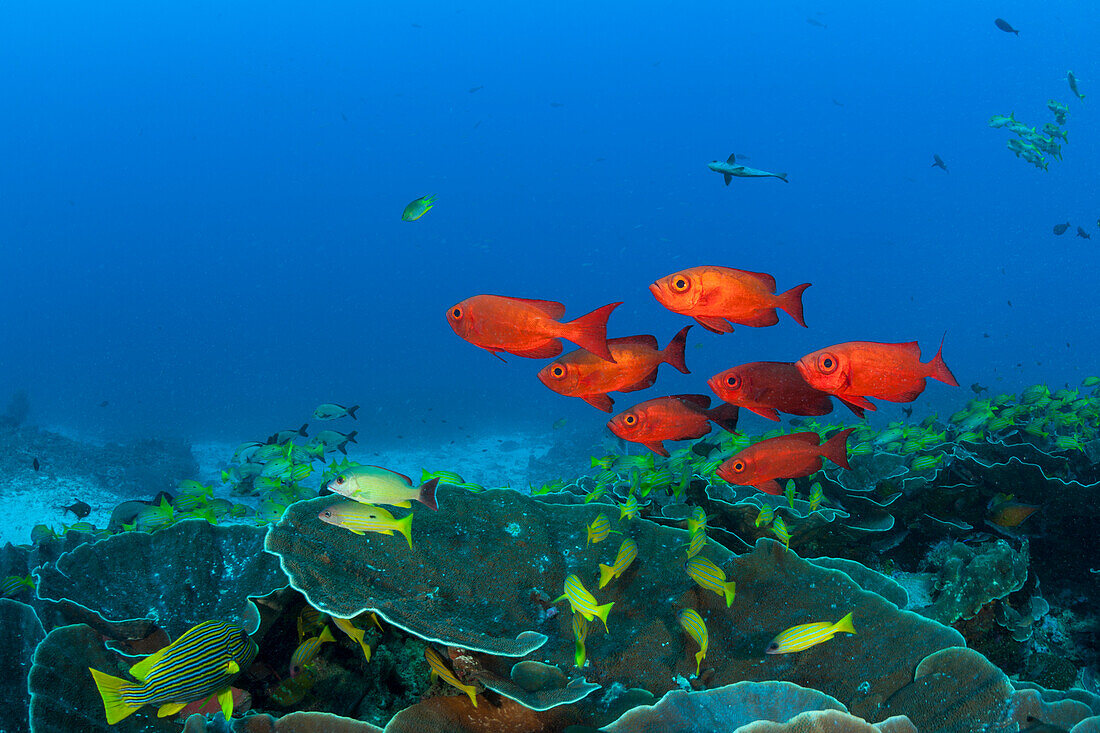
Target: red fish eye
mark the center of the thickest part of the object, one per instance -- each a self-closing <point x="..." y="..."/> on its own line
<point x="557" y="372"/>
<point x="827" y="363"/>
<point x="456" y="313"/>
<point x="733" y="381"/>
<point x="739" y="467"/>
<point x="630" y="420"/>
<point x="680" y="283"/>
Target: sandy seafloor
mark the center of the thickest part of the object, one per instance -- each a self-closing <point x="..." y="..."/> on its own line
<point x="490" y="460"/>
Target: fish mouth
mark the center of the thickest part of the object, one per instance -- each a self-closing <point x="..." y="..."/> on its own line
<point x="657" y="291"/>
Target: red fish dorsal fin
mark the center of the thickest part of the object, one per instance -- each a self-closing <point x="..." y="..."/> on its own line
<point x="696" y="400"/>
<point x="644" y="340"/>
<point x="551" y="308"/>
<point x="763" y="277"/>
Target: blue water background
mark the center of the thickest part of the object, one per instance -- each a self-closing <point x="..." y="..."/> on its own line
<point x="200" y="203"/>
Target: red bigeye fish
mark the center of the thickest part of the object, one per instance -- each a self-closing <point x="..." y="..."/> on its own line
<point x="679" y="417"/>
<point x="788" y="456"/>
<point x="527" y="328"/>
<point x="718" y="297"/>
<point x="633" y="366"/>
<point x="856" y="370"/>
<point x="770" y="387"/>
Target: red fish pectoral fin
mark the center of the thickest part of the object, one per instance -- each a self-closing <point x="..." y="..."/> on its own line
<point x="657" y="447"/>
<point x="548" y="350"/>
<point x="769" y="412"/>
<point x="674" y="352"/>
<point x="769" y="487"/>
<point x="600" y="401"/>
<point x="791" y="302"/>
<point x="856" y="410"/>
<point x="761" y="319"/>
<point x="836" y="448"/>
<point x="939" y="369"/>
<point x="495" y="353"/>
<point x="714" y="324"/>
<point x="590" y="331"/>
<point x="855" y="402"/>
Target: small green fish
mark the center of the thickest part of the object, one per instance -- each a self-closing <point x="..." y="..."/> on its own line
<point x="711" y="577"/>
<point x="697" y="541"/>
<point x="693" y="623"/>
<point x="331" y="411"/>
<point x="697" y="519"/>
<point x="441" y="670"/>
<point x="779" y="529"/>
<point x="630" y="509"/>
<point x="628" y="550"/>
<point x="376" y="485"/>
<point x="559" y="424"/>
<point x="1073" y="84"/>
<point x="13" y="585"/>
<point x="445" y="477"/>
<point x="418" y="208"/>
<point x="789" y="492"/>
<point x="923" y="463"/>
<point x="584" y="602"/>
<point x="599" y="529"/>
<point x="1069" y="442"/>
<point x="804" y="636"/>
<point x="1091" y="382"/>
<point x="363" y="518"/>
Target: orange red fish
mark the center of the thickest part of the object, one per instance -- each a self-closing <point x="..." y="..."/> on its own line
<point x="633" y="366"/>
<point x="679" y="417"/>
<point x="787" y="456"/>
<point x="770" y="387"/>
<point x="856" y="370"/>
<point x="528" y="328"/>
<point x="719" y="297"/>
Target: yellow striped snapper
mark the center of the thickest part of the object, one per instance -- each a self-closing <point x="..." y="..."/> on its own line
<point x="692" y="623"/>
<point x="697" y="541"/>
<point x="922" y="463"/>
<point x="630" y="508"/>
<point x="354" y="633"/>
<point x="13" y="585"/>
<point x="363" y="518"/>
<point x="203" y="661"/>
<point x="376" y="485"/>
<point x="790" y="493"/>
<point x="441" y="670"/>
<point x="779" y="529"/>
<point x="765" y="516"/>
<point x="445" y="477"/>
<point x="584" y="602"/>
<point x="711" y="577"/>
<point x="599" y="529"/>
<point x="804" y="636"/>
<point x="697" y="519"/>
<point x="628" y="550"/>
<point x="817" y="495"/>
<point x="580" y="633"/>
<point x="308" y="650"/>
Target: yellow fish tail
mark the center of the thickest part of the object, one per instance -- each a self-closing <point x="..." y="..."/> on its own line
<point x="699" y="660"/>
<point x="469" y="690"/>
<point x="601" y="613"/>
<point x="404" y="526"/>
<point x="579" y="653"/>
<point x="845" y="625"/>
<point x="326" y="635"/>
<point x="606" y="574"/>
<point x="365" y="647"/>
<point x="111" y="689"/>
<point x="729" y="589"/>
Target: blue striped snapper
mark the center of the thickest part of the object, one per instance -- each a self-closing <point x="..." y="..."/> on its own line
<point x="308" y="650"/>
<point x="628" y="550"/>
<point x="439" y="669"/>
<point x="804" y="636"/>
<point x="203" y="661"/>
<point x="363" y="518"/>
<point x="584" y="602"/>
<point x="710" y="576"/>
<point x="580" y="633"/>
<point x="692" y="623"/>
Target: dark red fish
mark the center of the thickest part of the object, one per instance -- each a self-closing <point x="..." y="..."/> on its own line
<point x="788" y="456"/>
<point x="527" y="328"/>
<point x="634" y="367"/>
<point x="679" y="417"/>
<point x="856" y="370"/>
<point x="770" y="387"/>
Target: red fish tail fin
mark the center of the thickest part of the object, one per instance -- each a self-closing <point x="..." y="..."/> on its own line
<point x="836" y="448"/>
<point x="940" y="370"/>
<point x="590" y="331"/>
<point x="725" y="416"/>
<point x="427" y="494"/>
<point x="791" y="301"/>
<point x="674" y="352"/>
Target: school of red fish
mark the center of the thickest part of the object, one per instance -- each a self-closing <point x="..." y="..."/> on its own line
<point x="718" y="298"/>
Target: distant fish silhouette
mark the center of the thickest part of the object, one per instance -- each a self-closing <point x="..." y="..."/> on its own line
<point x="1060" y="229"/>
<point x="1082" y="233"/>
<point x="556" y="104"/>
<point x="838" y="104"/>
<point x="816" y="23"/>
<point x="937" y="162"/>
<point x="908" y="411"/>
<point x="478" y="88"/>
<point x="1004" y="26"/>
<point x="79" y="508"/>
<point x="104" y="403"/>
<point x="35" y="464"/>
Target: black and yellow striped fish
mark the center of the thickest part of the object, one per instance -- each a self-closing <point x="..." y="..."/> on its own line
<point x="201" y="662"/>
